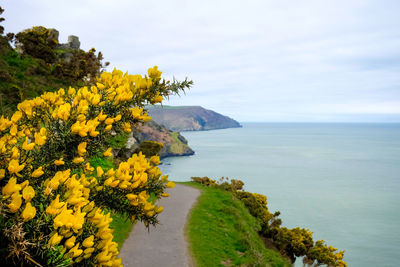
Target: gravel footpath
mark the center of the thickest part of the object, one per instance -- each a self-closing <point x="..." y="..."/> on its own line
<point x="165" y="244"/>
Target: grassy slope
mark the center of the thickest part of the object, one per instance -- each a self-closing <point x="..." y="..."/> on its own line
<point x="23" y="77"/>
<point x="221" y="231"/>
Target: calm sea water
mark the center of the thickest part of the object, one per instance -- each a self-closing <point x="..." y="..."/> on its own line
<point x="342" y="181"/>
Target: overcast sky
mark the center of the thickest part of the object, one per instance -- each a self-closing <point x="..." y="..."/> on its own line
<point x="279" y="60"/>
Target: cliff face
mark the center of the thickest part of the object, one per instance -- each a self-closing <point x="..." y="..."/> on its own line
<point x="190" y="118"/>
<point x="174" y="143"/>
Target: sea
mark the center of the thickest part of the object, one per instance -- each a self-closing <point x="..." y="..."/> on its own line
<point x="341" y="181"/>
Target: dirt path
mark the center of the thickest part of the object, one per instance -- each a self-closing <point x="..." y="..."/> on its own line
<point x="164" y="245"/>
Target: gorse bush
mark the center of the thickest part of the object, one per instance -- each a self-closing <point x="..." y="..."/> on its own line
<point x="38" y="42"/>
<point x="55" y="207"/>
<point x="296" y="242"/>
<point x="79" y="65"/>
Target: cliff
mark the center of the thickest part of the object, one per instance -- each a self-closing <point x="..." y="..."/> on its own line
<point x="174" y="144"/>
<point x="190" y="118"/>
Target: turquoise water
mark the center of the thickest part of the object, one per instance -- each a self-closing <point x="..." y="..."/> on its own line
<point x="342" y="181"/>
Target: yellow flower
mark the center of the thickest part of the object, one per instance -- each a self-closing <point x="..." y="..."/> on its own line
<point x="117" y="118"/>
<point x="15" y="153"/>
<point x="165" y="195"/>
<point x="55" y="239"/>
<point x="108" y="153"/>
<point x="63" y="111"/>
<point x="11" y="187"/>
<point x="24" y="183"/>
<point x="14" y="130"/>
<point x="71" y="91"/>
<point x="26" y="146"/>
<point x="114" y="183"/>
<point x="29" y="212"/>
<point x="88" y="250"/>
<point x="150" y="213"/>
<point x="170" y="184"/>
<point x="155" y="160"/>
<point x="100" y="86"/>
<point x="154" y="73"/>
<point x="40" y="139"/>
<point x="108" y="128"/>
<point x="101" y="116"/>
<point x="82" y="148"/>
<point x="136" y="112"/>
<point x="16" y="202"/>
<point x="75" y="251"/>
<point x="28" y="193"/>
<point x="88" y="168"/>
<point x="2" y="173"/>
<point x="16" y="116"/>
<point x="103" y="256"/>
<point x="55" y="206"/>
<point x="59" y="162"/>
<point x="14" y="167"/>
<point x="88" y="242"/>
<point x="38" y="172"/>
<point x="156" y="99"/>
<point x="99" y="171"/>
<point x="109" y="121"/>
<point x="81" y="117"/>
<point x="78" y="160"/>
<point x="70" y="242"/>
<point x="159" y="209"/>
<point x="127" y="127"/>
<point x="96" y="99"/>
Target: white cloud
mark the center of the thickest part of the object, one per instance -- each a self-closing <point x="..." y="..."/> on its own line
<point x="259" y="60"/>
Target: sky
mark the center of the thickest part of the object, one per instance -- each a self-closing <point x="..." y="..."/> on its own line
<point x="272" y="61"/>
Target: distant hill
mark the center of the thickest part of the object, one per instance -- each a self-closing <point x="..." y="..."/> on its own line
<point x="190" y="118"/>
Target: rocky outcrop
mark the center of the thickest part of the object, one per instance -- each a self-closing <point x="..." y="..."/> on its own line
<point x="73" y="43"/>
<point x="190" y="118"/>
<point x="174" y="144"/>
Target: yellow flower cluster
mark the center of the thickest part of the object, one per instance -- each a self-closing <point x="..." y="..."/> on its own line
<point x="45" y="148"/>
<point x="12" y="190"/>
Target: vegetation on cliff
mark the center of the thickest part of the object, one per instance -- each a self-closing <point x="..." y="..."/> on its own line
<point x="174" y="144"/>
<point x="37" y="65"/>
<point x="292" y="243"/>
<point x="222" y="232"/>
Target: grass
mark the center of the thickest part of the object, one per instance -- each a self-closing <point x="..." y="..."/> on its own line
<point x="221" y="232"/>
<point x="122" y="228"/>
<point x="119" y="141"/>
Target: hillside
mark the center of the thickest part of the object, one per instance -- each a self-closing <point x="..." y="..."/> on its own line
<point x="174" y="143"/>
<point x="222" y="232"/>
<point x="190" y="118"/>
<point x="24" y="76"/>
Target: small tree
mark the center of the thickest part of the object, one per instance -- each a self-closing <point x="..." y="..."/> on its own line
<point x="55" y="207"/>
